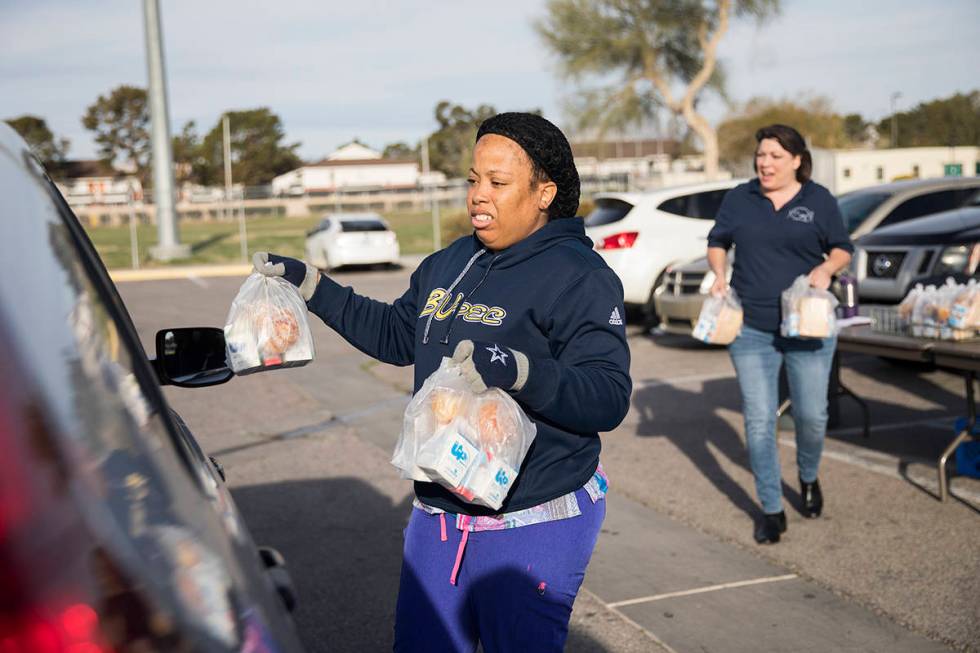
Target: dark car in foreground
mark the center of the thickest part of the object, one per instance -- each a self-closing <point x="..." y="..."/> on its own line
<point x="116" y="532"/>
<point x="891" y="260"/>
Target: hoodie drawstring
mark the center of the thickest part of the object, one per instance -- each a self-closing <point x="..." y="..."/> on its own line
<point x="462" y="547"/>
<point x="452" y="318"/>
<point x="449" y="294"/>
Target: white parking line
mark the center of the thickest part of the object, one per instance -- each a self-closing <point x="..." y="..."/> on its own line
<point x="646" y="631"/>
<point x="702" y="590"/>
<point x="197" y="281"/>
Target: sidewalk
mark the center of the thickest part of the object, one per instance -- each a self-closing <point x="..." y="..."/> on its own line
<point x="692" y="592"/>
<point x="410" y="261"/>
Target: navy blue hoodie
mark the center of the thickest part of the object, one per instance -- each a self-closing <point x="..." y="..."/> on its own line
<point x="549" y="296"/>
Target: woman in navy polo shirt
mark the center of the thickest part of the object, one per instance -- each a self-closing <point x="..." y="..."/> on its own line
<point x="783" y="225"/>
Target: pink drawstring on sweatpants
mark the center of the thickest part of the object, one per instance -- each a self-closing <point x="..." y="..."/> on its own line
<point x="462" y="547"/>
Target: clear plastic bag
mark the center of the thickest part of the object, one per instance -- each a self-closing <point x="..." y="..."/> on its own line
<point x="472" y="444"/>
<point x="267" y="326"/>
<point x="720" y="320"/>
<point x="808" y="312"/>
<point x="965" y="312"/>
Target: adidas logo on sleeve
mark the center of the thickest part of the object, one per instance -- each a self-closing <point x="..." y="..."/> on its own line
<point x="614" y="318"/>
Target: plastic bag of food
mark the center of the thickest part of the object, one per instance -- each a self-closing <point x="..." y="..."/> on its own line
<point x="472" y="444"/>
<point x="907" y="304"/>
<point x="808" y="312"/>
<point x="267" y="326"/>
<point x="923" y="323"/>
<point x="720" y="319"/>
<point x="965" y="311"/>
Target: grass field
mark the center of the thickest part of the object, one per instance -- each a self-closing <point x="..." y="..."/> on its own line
<point x="219" y="242"/>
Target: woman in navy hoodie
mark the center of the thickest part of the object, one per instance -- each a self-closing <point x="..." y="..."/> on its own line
<point x="526" y="305"/>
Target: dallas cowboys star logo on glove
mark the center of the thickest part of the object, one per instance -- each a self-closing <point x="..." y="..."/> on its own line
<point x="487" y="364"/>
<point x="497" y="354"/>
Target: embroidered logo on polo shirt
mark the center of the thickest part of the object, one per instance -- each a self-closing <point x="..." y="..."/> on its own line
<point x="801" y="214"/>
<point x="615" y="318"/>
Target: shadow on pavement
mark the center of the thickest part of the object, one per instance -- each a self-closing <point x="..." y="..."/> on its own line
<point x="689" y="420"/>
<point x="342" y="540"/>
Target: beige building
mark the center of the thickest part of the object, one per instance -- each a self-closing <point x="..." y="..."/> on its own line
<point x="845" y="170"/>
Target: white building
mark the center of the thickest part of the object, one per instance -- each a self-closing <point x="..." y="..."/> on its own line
<point x="845" y="170"/>
<point x="641" y="163"/>
<point x="352" y="167"/>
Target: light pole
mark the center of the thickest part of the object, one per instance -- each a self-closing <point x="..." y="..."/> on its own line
<point x="168" y="242"/>
<point x="894" y="119"/>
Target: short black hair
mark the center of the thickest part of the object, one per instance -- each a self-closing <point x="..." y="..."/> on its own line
<point x="550" y="154"/>
<point x="791" y="141"/>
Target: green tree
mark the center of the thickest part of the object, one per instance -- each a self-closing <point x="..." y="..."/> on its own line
<point x="257" y="151"/>
<point x="949" y="121"/>
<point x="187" y="153"/>
<point x="400" y="150"/>
<point x="814" y="119"/>
<point x="120" y="122"/>
<point x="49" y="150"/>
<point x="665" y="51"/>
<point x="856" y="127"/>
<point x="451" y="146"/>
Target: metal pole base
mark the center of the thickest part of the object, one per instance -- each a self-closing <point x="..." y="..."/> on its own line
<point x="170" y="252"/>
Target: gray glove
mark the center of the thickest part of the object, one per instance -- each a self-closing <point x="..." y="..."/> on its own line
<point x="302" y="275"/>
<point x="486" y="364"/>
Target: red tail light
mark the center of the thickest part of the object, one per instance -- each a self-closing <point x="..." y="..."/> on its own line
<point x="74" y="630"/>
<point x="622" y="240"/>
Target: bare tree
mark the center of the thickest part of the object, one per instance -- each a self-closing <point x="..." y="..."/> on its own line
<point x="666" y="52"/>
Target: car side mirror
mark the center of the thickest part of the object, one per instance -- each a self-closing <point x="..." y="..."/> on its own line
<point x="191" y="357"/>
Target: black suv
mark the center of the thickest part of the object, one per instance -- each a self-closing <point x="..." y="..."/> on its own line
<point x="890" y="260"/>
<point x="116" y="532"/>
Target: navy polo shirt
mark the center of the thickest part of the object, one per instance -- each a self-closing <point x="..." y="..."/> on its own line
<point x="774" y="247"/>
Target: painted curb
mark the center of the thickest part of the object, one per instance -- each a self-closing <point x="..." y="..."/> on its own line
<point x="182" y="272"/>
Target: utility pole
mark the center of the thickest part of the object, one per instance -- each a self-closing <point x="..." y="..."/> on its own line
<point x="168" y="242"/>
<point x="894" y="119"/>
<point x="242" y="233"/>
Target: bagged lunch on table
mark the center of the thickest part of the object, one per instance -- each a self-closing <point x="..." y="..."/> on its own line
<point x="472" y="444"/>
<point x="720" y="319"/>
<point x="807" y="312"/>
<point x="267" y="327"/>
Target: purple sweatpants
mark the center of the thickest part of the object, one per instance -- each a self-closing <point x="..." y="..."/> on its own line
<point x="514" y="588"/>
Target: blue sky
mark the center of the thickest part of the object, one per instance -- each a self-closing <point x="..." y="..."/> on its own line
<point x="375" y="70"/>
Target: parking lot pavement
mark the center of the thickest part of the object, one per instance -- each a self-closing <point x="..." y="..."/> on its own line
<point x="887" y="567"/>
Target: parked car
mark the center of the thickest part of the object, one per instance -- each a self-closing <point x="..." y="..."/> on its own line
<point x="351" y="239"/>
<point x="889" y="261"/>
<point x="116" y="532"/>
<point x="640" y="234"/>
<point x="679" y="297"/>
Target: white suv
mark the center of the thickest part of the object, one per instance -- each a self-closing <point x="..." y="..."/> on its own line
<point x="640" y="234"/>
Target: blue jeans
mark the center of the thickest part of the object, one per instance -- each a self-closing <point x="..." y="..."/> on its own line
<point x="757" y="356"/>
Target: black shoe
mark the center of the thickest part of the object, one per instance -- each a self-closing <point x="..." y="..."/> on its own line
<point x="768" y="530"/>
<point x="812" y="498"/>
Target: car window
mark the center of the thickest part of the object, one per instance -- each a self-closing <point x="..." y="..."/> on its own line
<point x="607" y="211"/>
<point x="706" y="204"/>
<point x="324" y="224"/>
<point x="927" y="204"/>
<point x="857" y="206"/>
<point x="362" y="225"/>
<point x="680" y="205"/>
